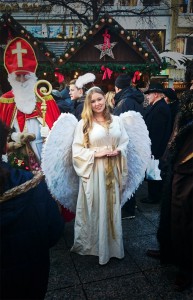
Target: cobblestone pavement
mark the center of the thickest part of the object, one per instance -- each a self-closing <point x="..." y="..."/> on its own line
<point x="76" y="277"/>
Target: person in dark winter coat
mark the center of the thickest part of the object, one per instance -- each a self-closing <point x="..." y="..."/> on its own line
<point x="158" y="121"/>
<point x="78" y="97"/>
<point x="62" y="98"/>
<point x="77" y="92"/>
<point x="175" y="230"/>
<point x="173" y="102"/>
<point x="127" y="97"/>
<point x="181" y="152"/>
<point x="65" y="104"/>
<point x="30" y="223"/>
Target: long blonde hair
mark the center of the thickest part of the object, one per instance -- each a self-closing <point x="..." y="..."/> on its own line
<point x="87" y="114"/>
<point x="109" y="96"/>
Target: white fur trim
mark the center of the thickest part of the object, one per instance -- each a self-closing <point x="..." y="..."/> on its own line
<point x="84" y="79"/>
<point x="5" y="158"/>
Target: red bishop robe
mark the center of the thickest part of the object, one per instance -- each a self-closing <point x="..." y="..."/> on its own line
<point x="8" y="112"/>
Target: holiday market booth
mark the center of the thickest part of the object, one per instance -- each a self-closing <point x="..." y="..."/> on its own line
<point x="107" y="50"/>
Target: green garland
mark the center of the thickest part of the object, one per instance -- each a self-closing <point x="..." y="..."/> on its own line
<point x="69" y="68"/>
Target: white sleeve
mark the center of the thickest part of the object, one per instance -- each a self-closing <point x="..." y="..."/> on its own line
<point x="83" y="158"/>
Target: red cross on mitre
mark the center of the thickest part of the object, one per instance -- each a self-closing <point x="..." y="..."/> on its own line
<point x="20" y="57"/>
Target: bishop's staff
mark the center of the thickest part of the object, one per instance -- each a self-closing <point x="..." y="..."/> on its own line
<point x="45" y="91"/>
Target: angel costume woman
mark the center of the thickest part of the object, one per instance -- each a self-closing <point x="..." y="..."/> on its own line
<point x="99" y="158"/>
<point x="110" y="166"/>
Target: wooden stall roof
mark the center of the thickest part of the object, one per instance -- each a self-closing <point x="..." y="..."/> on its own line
<point x="124" y="49"/>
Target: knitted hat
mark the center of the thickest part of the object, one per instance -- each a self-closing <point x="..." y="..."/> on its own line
<point x="123" y="81"/>
<point x="20" y="57"/>
<point x="170" y="93"/>
<point x="154" y="88"/>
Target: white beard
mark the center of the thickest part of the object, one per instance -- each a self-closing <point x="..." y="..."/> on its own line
<point x="24" y="95"/>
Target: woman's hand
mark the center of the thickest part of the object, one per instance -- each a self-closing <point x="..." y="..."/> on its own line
<point x="114" y="153"/>
<point x="107" y="153"/>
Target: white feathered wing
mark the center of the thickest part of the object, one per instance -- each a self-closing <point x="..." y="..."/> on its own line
<point x="138" y="152"/>
<point x="57" y="164"/>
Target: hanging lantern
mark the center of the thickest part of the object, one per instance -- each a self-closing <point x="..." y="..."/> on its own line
<point x="140" y="49"/>
<point x="146" y="54"/>
<point x="66" y="55"/>
<point x="128" y="37"/>
<point x="96" y="26"/>
<point x="134" y="43"/>
<point x="122" y="31"/>
<point x="90" y="31"/>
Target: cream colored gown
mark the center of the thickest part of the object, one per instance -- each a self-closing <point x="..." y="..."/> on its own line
<point x="98" y="228"/>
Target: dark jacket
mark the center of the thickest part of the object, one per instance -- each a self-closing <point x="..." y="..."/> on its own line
<point x="174" y="108"/>
<point x="63" y="101"/>
<point x="79" y="104"/>
<point x="30" y="224"/>
<point x="128" y="99"/>
<point x="158" y="121"/>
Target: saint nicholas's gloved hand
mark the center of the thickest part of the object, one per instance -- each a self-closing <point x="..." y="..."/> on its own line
<point x="44" y="131"/>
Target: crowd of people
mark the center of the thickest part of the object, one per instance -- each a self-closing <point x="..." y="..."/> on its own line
<point x="112" y="142"/>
